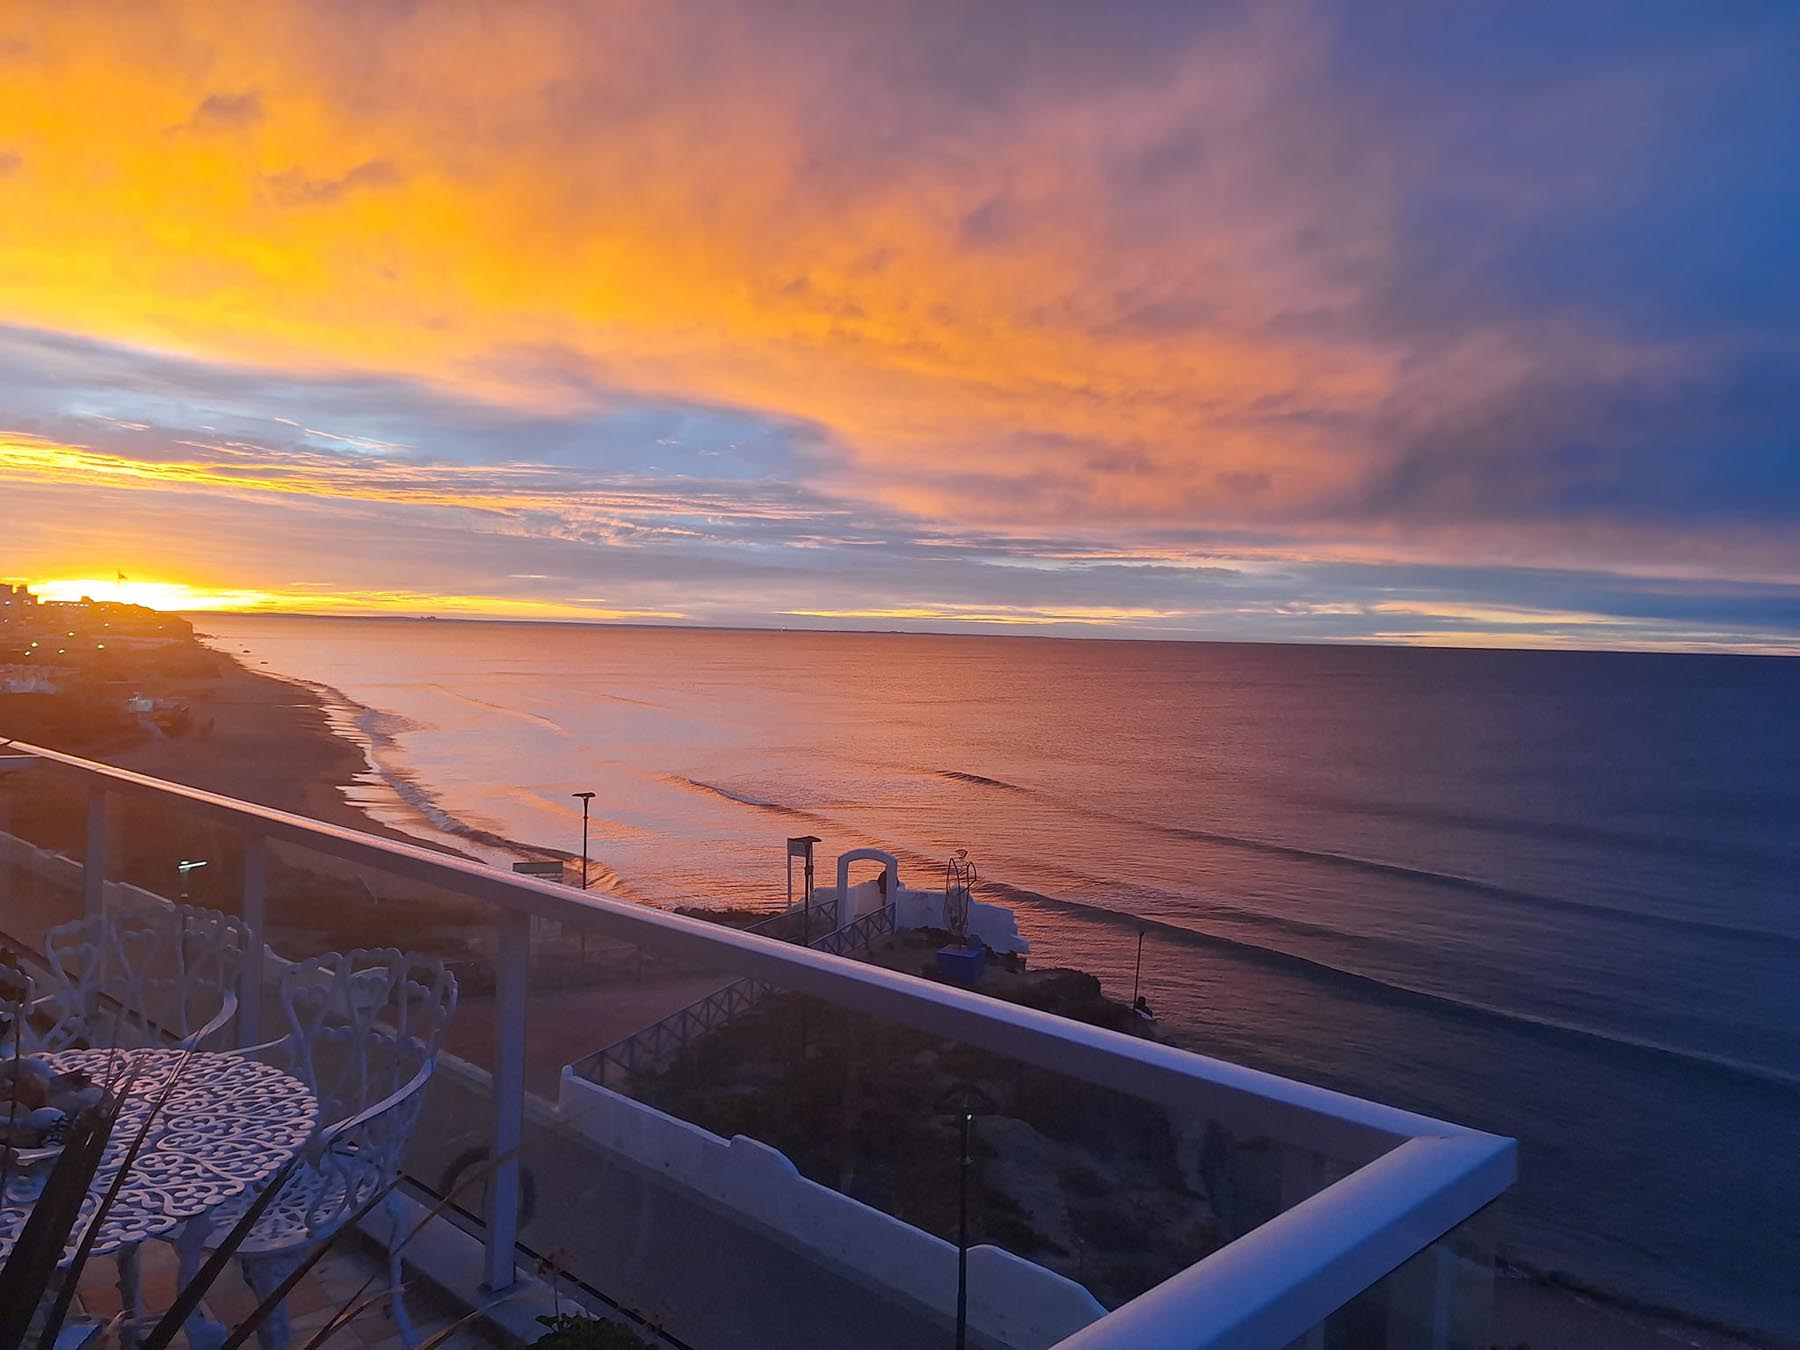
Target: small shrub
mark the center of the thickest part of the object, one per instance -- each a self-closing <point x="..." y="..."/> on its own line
<point x="577" y="1331"/>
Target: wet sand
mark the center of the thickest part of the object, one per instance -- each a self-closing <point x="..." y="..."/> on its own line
<point x="264" y="740"/>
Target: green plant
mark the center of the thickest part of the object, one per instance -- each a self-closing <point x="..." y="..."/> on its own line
<point x="578" y="1331"/>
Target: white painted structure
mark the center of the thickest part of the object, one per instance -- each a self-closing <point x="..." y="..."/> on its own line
<point x="1014" y="1301"/>
<point x="1376" y="1192"/>
<point x="25" y="680"/>
<point x="994" y="925"/>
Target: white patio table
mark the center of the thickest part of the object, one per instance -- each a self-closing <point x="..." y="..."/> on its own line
<point x="228" y="1125"/>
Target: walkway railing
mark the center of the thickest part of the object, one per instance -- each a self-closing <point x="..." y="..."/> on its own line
<point x="1398" y="1182"/>
<point x="791" y="925"/>
<point x="659" y="1044"/>
<point x="854" y="936"/>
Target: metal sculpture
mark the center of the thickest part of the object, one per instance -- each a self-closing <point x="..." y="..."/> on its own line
<point x="959" y="882"/>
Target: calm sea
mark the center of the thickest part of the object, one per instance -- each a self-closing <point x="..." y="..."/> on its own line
<point x="1552" y="895"/>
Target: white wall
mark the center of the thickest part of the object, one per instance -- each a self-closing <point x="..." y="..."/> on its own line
<point x="1011" y="1299"/>
<point x="995" y="925"/>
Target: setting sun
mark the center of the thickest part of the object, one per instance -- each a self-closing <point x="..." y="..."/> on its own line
<point x="164" y="595"/>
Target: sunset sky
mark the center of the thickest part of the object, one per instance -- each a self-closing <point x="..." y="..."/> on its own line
<point x="1472" y="323"/>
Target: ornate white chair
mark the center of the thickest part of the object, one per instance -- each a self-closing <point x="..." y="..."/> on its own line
<point x="363" y="1033"/>
<point x="155" y="975"/>
<point x="151" y="975"/>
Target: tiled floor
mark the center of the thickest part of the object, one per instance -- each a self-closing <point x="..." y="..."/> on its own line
<point x="333" y="1284"/>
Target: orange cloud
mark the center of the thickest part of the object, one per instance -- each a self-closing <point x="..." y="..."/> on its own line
<point x="620" y="196"/>
<point x="1132" y="296"/>
<point x="500" y="490"/>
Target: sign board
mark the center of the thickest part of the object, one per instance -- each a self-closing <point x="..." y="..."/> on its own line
<point x="541" y="868"/>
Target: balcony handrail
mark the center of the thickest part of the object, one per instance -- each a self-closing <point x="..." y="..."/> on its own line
<point x="1266" y="1288"/>
<point x="1335" y="1123"/>
<point x="1414" y="1178"/>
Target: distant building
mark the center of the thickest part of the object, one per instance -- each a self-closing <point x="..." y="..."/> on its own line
<point x="16" y="597"/>
<point x="26" y="680"/>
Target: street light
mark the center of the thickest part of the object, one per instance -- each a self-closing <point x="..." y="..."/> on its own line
<point x="801" y="846"/>
<point x="183" y="868"/>
<point x="965" y="1101"/>
<point x="585" y="797"/>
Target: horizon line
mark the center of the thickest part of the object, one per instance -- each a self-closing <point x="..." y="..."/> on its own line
<point x="1100" y="636"/>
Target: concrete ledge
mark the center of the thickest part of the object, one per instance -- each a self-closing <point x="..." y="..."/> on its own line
<point x="449" y="1259"/>
<point x="1012" y="1301"/>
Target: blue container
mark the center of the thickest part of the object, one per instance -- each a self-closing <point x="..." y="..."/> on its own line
<point x="962" y="964"/>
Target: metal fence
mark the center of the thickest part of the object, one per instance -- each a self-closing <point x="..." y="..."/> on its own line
<point x="657" y="1045"/>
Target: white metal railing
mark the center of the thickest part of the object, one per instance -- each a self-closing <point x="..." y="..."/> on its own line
<point x="1414" y="1179"/>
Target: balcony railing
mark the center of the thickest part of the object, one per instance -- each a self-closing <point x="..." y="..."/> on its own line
<point x="1366" y="1226"/>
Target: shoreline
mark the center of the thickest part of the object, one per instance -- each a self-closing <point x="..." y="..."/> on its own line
<point x="268" y="740"/>
<point x="344" y="740"/>
<point x="277" y="741"/>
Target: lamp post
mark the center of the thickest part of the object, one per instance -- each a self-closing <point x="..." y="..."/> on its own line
<point x="965" y="1101"/>
<point x="182" y="868"/>
<point x="585" y="797"/>
<point x="801" y="846"/>
<point x="8" y="763"/>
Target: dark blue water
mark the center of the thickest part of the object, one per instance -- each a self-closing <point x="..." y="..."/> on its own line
<point x="1551" y="895"/>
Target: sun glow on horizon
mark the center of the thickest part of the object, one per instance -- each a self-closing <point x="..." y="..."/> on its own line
<point x="159" y="595"/>
<point x="181" y="597"/>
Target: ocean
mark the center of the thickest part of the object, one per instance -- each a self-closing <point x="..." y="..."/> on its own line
<point x="1553" y="895"/>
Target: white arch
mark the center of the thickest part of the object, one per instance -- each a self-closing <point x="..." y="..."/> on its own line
<point x="887" y="860"/>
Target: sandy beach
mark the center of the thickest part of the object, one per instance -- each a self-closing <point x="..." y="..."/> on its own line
<point x="263" y="739"/>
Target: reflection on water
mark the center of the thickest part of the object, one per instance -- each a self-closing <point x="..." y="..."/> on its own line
<point x="1546" y="894"/>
